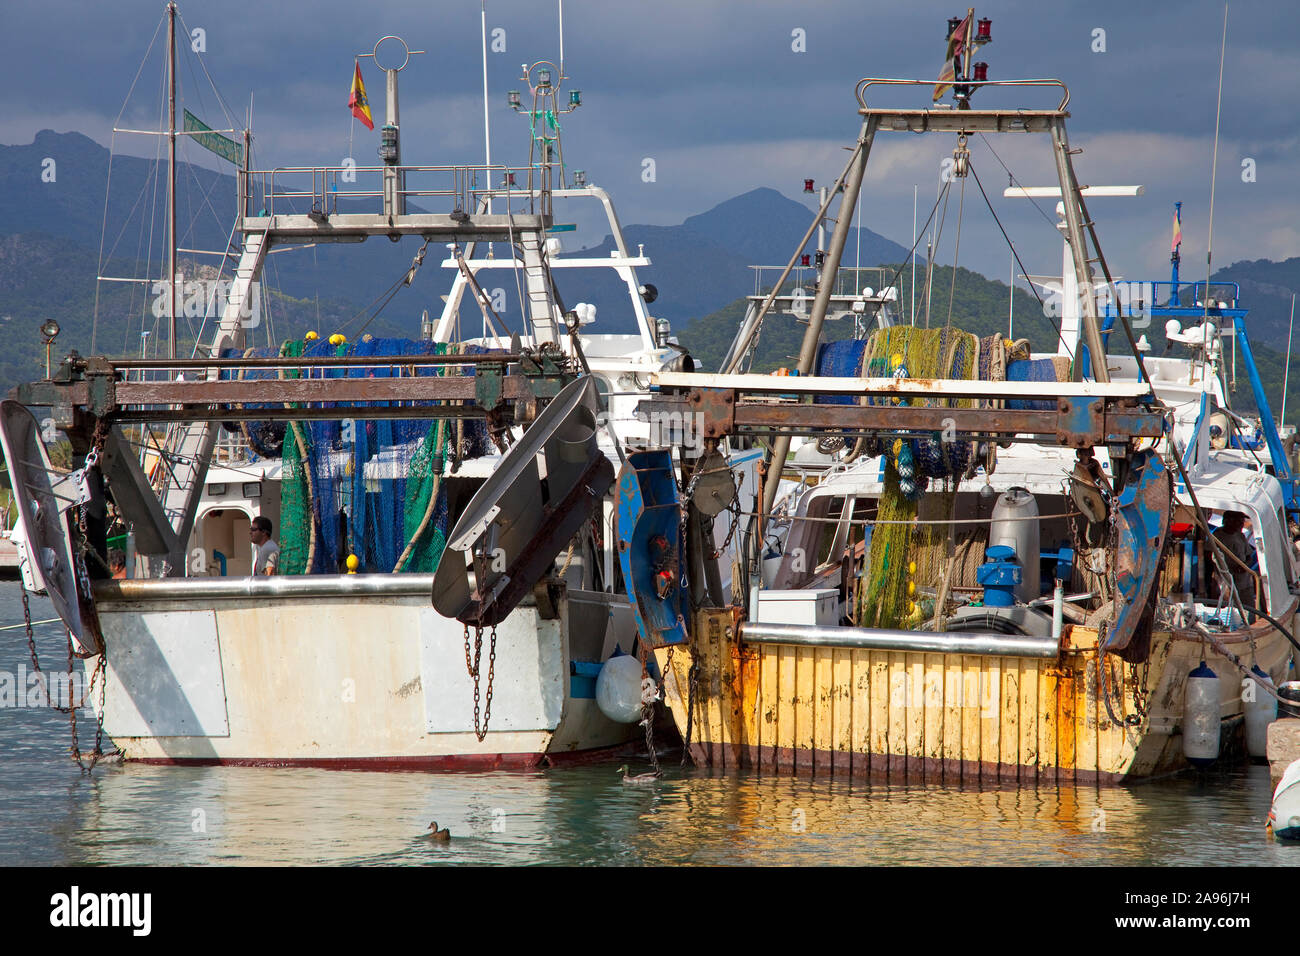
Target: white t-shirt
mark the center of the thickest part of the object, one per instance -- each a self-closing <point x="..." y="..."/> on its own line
<point x="267" y="554"/>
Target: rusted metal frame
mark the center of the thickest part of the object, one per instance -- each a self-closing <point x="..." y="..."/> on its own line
<point x="329" y="361"/>
<point x="1074" y="422"/>
<point x="332" y="412"/>
<point x="334" y="390"/>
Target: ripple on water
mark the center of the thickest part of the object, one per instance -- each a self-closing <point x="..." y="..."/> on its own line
<point x="51" y="815"/>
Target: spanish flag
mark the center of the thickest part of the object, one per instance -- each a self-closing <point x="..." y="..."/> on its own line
<point x="1178" y="234"/>
<point x="956" y="45"/>
<point x="358" y="102"/>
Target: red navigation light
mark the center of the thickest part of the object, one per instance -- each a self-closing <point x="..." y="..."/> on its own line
<point x="805" y="260"/>
<point x="981" y="72"/>
<point x="807" y="185"/>
<point x="985" y="30"/>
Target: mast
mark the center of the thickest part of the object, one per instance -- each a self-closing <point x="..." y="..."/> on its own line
<point x="171" y="179"/>
<point x="1175" y="255"/>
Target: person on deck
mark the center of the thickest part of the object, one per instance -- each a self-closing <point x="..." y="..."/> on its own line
<point x="266" y="552"/>
<point x="1235" y="542"/>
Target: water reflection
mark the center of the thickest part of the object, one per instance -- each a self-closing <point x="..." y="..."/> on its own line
<point x="50" y="815"/>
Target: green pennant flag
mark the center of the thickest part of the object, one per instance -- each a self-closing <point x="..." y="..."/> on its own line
<point x="223" y="146"/>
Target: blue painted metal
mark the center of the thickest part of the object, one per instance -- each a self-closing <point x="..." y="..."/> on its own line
<point x="648" y="508"/>
<point x="1281" y="468"/>
<point x="582" y="679"/>
<point x="1141" y="526"/>
<point x="999" y="576"/>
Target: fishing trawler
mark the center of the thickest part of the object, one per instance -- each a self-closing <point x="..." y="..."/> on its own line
<point x="1008" y="573"/>
<point x="447" y="592"/>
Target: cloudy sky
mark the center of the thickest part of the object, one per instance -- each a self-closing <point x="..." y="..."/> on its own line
<point x="722" y="98"/>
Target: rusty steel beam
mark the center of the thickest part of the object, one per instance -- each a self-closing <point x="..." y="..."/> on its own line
<point x="1076" y="422"/>
<point x="334" y="412"/>
<point x="326" y="361"/>
<point x="334" y="390"/>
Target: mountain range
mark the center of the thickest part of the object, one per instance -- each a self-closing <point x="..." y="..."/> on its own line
<point x="51" y="220"/>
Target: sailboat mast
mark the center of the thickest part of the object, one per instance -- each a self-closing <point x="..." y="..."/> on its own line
<point x="171" y="178"/>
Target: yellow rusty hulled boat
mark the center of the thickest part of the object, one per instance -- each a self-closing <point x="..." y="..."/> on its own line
<point x="1011" y="567"/>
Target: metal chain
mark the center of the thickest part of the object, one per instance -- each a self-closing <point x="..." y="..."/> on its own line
<point x="692" y="684"/>
<point x="100" y="674"/>
<point x="473" y="667"/>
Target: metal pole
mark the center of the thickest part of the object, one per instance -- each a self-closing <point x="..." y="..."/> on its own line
<point x="812" y="336"/>
<point x="1074" y="233"/>
<point x="1011" y="299"/>
<point x="912" y="254"/>
<point x="171" y="176"/>
<point x="1286" y="367"/>
<point x="487" y="129"/>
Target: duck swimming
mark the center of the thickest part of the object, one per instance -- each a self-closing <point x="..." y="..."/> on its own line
<point x="438" y="836"/>
<point x="640" y="779"/>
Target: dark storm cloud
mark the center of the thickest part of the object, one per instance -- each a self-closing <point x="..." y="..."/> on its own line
<point x="714" y="93"/>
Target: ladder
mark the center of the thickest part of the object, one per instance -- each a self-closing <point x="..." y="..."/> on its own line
<point x="542" y="311"/>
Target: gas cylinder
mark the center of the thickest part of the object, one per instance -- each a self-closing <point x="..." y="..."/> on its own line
<point x="1201" y="717"/>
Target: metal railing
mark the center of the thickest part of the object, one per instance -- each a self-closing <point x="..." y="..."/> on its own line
<point x="320" y="188"/>
<point x="972" y="85"/>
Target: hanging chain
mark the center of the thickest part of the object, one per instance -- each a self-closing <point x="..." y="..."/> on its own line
<point x="100" y="674"/>
<point x="473" y="668"/>
<point x="692" y="684"/>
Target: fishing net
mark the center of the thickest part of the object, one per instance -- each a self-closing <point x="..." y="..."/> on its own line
<point x="904" y="553"/>
<point x="371" y="488"/>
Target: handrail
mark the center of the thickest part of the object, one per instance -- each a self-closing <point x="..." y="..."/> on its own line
<point x="865" y="82"/>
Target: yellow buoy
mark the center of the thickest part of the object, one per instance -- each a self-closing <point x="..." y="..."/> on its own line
<point x="310" y="337"/>
<point x="353" y="563"/>
<point x="338" y="338"/>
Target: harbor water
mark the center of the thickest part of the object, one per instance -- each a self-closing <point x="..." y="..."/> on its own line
<point x="52" y="815"/>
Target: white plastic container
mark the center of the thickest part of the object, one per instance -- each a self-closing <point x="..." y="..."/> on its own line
<point x="1201" y="717"/>
<point x="818" y="606"/>
<point x="1261" y="710"/>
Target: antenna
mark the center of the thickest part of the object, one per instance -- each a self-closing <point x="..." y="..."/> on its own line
<point x="1214" y="168"/>
<point x="561" y="63"/>
<point x="487" y="129"/>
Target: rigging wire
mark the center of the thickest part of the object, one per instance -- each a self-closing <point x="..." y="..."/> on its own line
<point x="1056" y="326"/>
<point x="934" y="245"/>
<point x="956" y="252"/>
<point x="99" y="268"/>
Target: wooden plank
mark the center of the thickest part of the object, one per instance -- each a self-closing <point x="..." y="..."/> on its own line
<point x="899" y="692"/>
<point x="1009" y="721"/>
<point x="916" y="718"/>
<point x="952" y="694"/>
<point x="842" y="719"/>
<point x="748" y="717"/>
<point x="769" y="694"/>
<point x="1047" y="758"/>
<point x="860" y="664"/>
<point x="1027" y="723"/>
<point x="785" y="732"/>
<point x="1066" y="728"/>
<point x="824" y="709"/>
<point x="970" y="719"/>
<point x="932" y="691"/>
<point x="711" y="677"/>
<point x="1085" y="716"/>
<point x="879" y="734"/>
<point x="727" y="699"/>
<point x="990" y="703"/>
<point x="805" y="703"/>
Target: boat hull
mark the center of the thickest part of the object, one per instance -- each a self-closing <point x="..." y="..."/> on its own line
<point x="945" y="718"/>
<point x="349" y="672"/>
